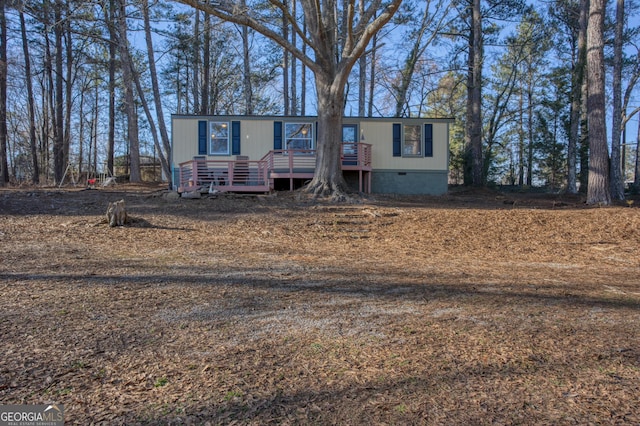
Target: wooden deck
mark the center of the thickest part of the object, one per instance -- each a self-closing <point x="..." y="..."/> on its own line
<point x="243" y="175"/>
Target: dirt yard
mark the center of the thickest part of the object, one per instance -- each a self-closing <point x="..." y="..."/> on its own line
<point x="468" y="309"/>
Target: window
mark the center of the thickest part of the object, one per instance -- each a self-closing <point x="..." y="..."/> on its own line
<point x="349" y="138"/>
<point x="298" y="136"/>
<point x="412" y="143"/>
<point x="219" y="141"/>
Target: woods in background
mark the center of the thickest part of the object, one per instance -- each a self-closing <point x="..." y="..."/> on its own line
<point x="83" y="83"/>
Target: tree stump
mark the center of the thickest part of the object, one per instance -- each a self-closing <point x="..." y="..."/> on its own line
<point x="117" y="213"/>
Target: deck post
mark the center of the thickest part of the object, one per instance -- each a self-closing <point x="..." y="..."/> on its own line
<point x="194" y="172"/>
<point x="290" y="170"/>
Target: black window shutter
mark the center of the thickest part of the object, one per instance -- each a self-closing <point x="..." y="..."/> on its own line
<point x="397" y="140"/>
<point x="277" y="135"/>
<point x="428" y="140"/>
<point x="202" y="138"/>
<point x="235" y="138"/>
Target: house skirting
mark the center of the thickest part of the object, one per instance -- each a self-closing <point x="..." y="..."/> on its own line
<point x="411" y="182"/>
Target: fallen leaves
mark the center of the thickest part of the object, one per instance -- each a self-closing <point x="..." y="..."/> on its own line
<point x="258" y="310"/>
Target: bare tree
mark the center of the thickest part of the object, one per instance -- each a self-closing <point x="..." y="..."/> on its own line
<point x="246" y="63"/>
<point x="110" y="13"/>
<point x="197" y="89"/>
<point x="59" y="160"/>
<point x="334" y="55"/>
<point x="577" y="79"/>
<point x="473" y="135"/>
<point x="35" y="178"/>
<point x="294" y="70"/>
<point x="598" y="187"/>
<point x="616" y="180"/>
<point x="422" y="36"/>
<point x="4" y="169"/>
<point x="285" y="58"/>
<point x="165" y="149"/>
<point x="129" y="100"/>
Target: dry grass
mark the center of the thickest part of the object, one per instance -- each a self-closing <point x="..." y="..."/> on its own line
<point x="472" y="308"/>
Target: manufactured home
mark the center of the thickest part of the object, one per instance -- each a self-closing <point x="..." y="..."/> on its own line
<point x="263" y="153"/>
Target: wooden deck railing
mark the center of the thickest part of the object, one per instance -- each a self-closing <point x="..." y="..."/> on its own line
<point x="356" y="156"/>
<point x="238" y="175"/>
<point x="241" y="175"/>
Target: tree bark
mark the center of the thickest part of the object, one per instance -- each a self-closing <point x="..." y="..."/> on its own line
<point x="328" y="179"/>
<point x="165" y="150"/>
<point x="205" y="102"/>
<point x="617" y="183"/>
<point x="285" y="61"/>
<point x="246" y="61"/>
<point x="636" y="170"/>
<point x="362" y="72"/>
<point x="111" y="138"/>
<point x="303" y="78"/>
<point x="4" y="169"/>
<point x="81" y="134"/>
<point x="474" y="101"/>
<point x="35" y="177"/>
<point x="199" y="103"/>
<point x="94" y="127"/>
<point x="583" y="148"/>
<point x="530" y="132"/>
<point x="294" y="70"/>
<point x="372" y="72"/>
<point x="129" y="100"/>
<point x="598" y="188"/>
<point x="58" y="143"/>
<point x="577" y="80"/>
<point x="68" y="83"/>
<point x="521" y="139"/>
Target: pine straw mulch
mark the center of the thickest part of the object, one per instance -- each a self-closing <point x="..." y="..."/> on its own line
<point x="473" y="308"/>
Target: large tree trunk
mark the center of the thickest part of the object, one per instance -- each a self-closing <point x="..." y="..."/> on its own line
<point x="35" y="178"/>
<point x="59" y="162"/>
<point x="111" y="138"/>
<point x="81" y="135"/>
<point x="328" y="179"/>
<point x="129" y="101"/>
<point x="583" y="147"/>
<point x="68" y="84"/>
<point x="598" y="189"/>
<point x="94" y="127"/>
<point x="617" y="183"/>
<point x="530" y="133"/>
<point x="577" y="80"/>
<point x="521" y="139"/>
<point x="474" y="101"/>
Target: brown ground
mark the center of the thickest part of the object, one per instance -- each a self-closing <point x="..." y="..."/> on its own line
<point x="472" y="308"/>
